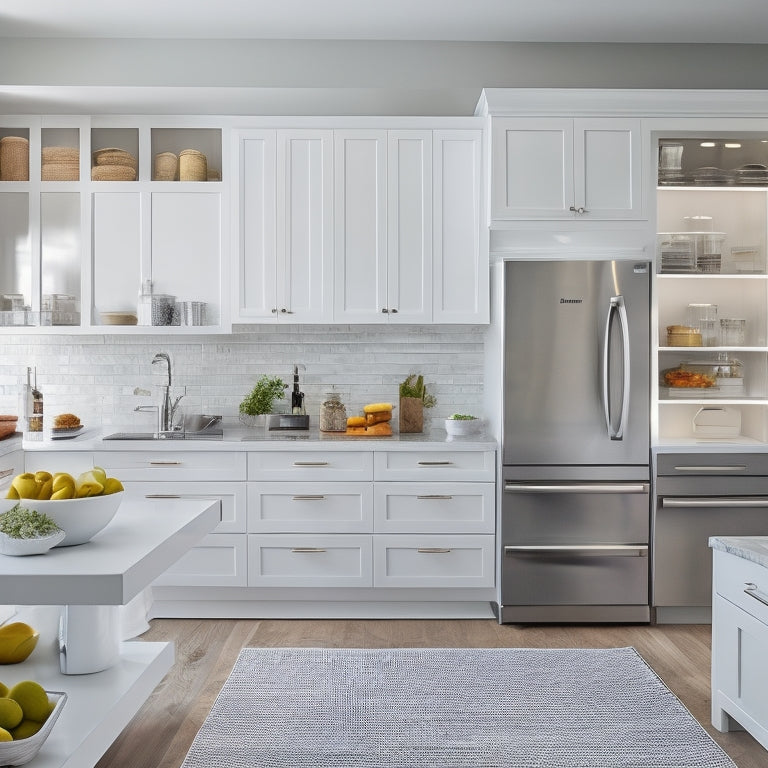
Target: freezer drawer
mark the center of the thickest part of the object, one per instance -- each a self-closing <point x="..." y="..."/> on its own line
<point x="682" y="560"/>
<point x="575" y="575"/>
<point x="575" y="513"/>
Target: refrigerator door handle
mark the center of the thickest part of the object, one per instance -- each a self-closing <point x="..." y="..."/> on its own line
<point x="577" y="488"/>
<point x="616" y="305"/>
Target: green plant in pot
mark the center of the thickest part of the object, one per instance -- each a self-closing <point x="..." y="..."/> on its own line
<point x="414" y="398"/>
<point x="260" y="400"/>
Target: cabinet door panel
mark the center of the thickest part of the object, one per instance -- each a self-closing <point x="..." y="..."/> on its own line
<point x="15" y="253"/>
<point x="360" y="160"/>
<point x="116" y="251"/>
<point x="220" y="560"/>
<point x="186" y="248"/>
<point x="257" y="235"/>
<point x="409" y="226"/>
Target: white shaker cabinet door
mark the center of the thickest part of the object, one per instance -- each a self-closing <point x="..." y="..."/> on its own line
<point x="256" y="280"/>
<point x="360" y="210"/>
<point x="460" y="253"/>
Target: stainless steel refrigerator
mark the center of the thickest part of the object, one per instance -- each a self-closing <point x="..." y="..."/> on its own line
<point x="575" y="505"/>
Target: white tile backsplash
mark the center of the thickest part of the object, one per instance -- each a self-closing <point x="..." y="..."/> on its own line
<point x="95" y="376"/>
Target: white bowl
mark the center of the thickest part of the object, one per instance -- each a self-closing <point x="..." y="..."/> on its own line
<point x="460" y="427"/>
<point x="24" y="750"/>
<point x="21" y="547"/>
<point x="80" y="519"/>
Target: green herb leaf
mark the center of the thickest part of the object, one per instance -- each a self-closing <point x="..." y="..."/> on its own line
<point x="21" y="523"/>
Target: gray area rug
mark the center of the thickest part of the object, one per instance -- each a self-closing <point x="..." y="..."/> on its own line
<point x="449" y="708"/>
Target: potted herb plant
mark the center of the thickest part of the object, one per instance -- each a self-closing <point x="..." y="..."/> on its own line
<point x="260" y="400"/>
<point x="414" y="398"/>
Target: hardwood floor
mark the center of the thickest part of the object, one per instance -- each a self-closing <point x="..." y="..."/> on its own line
<point x="160" y="734"/>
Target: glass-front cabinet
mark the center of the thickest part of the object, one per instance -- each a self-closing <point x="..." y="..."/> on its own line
<point x="712" y="288"/>
<point x="105" y="225"/>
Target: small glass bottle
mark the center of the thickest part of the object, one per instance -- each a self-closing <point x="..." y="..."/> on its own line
<point x="144" y="308"/>
<point x="333" y="414"/>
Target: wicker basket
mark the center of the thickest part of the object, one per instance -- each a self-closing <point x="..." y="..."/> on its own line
<point x="113" y="173"/>
<point x="14" y="158"/>
<point x="166" y="167"/>
<point x="112" y="156"/>
<point x="214" y="175"/>
<point x="60" y="155"/>
<point x="193" y="165"/>
<point x="60" y="171"/>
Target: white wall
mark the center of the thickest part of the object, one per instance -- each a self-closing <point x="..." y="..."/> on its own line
<point x="95" y="376"/>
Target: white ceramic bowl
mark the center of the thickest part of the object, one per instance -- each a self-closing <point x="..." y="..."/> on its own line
<point x="21" y="547"/>
<point x="459" y="427"/>
<point x="80" y="519"/>
<point x="24" y="750"/>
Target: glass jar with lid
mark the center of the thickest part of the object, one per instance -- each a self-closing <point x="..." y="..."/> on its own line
<point x="333" y="414"/>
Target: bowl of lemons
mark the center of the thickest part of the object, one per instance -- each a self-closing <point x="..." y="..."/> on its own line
<point x="28" y="713"/>
<point x="80" y="506"/>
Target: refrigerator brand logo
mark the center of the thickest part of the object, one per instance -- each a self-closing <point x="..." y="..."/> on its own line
<point x="571" y="301"/>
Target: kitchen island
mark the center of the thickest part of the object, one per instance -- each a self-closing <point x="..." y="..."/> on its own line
<point x="143" y="539"/>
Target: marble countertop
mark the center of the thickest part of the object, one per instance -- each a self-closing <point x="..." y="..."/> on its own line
<point x="754" y="548"/>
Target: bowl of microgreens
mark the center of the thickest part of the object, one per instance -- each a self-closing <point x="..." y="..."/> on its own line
<point x="462" y="424"/>
<point x="27" y="532"/>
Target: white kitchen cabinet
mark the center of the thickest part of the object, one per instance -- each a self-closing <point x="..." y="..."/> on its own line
<point x="739" y="640"/>
<point x="11" y="464"/>
<point x="219" y="560"/>
<point x="285" y="226"/>
<point x="564" y="168"/>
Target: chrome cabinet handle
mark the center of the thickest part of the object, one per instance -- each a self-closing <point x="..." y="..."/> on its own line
<point x="384" y="310"/>
<point x="435" y="496"/>
<point x="165" y="463"/>
<point x="162" y="496"/>
<point x="433" y="550"/>
<point x="310" y="463"/>
<point x="597" y="488"/>
<point x="393" y="311"/>
<point x="580" y="209"/>
<point x="6" y="472"/>
<point x="705" y="468"/>
<point x="307" y="497"/>
<point x="285" y="311"/>
<point x="755" y="502"/>
<point x="434" y="463"/>
<point x="751" y="590"/>
<point x="307" y="550"/>
<point x="591" y="550"/>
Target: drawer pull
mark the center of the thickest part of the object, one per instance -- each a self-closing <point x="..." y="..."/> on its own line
<point x="6" y="472"/>
<point x="162" y="496"/>
<point x="579" y="550"/>
<point x="704" y="468"/>
<point x="435" y="496"/>
<point x="434" y="463"/>
<point x="307" y="550"/>
<point x="433" y="550"/>
<point x="165" y="463"/>
<point x="308" y="497"/>
<point x="753" y="502"/>
<point x="310" y="463"/>
<point x="751" y="590"/>
<point x="576" y="488"/>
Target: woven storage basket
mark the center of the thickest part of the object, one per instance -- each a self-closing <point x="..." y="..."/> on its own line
<point x="60" y="155"/>
<point x="214" y="175"/>
<point x="166" y="167"/>
<point x="113" y="173"/>
<point x="193" y="165"/>
<point x="14" y="158"/>
<point x="112" y="156"/>
<point x="60" y="171"/>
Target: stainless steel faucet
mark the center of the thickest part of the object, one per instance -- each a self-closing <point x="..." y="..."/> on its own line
<point x="167" y="408"/>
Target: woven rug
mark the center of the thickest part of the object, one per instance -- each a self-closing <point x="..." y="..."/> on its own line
<point x="449" y="708"/>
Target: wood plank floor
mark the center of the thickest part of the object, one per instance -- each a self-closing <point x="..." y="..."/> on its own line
<point x="161" y="733"/>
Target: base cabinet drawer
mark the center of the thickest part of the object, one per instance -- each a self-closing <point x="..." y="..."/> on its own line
<point x="315" y="560"/>
<point x="426" y="465"/>
<point x="434" y="508"/>
<point x="172" y="465"/>
<point x="310" y="507"/>
<point x="743" y="583"/>
<point x="310" y="465"/>
<point x="433" y="561"/>
<point x="220" y="560"/>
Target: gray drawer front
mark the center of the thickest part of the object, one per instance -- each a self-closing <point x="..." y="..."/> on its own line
<point x="711" y="464"/>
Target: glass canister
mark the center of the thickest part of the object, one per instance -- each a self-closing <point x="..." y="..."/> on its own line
<point x="732" y="331"/>
<point x="333" y="414"/>
<point x="704" y="317"/>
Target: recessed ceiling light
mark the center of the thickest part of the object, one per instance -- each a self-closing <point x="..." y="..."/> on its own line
<point x="707" y="144"/>
<point x="732" y="146"/>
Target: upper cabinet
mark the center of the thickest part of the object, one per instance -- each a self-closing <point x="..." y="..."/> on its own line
<point x="563" y="168"/>
<point x="104" y="208"/>
<point x="362" y="225"/>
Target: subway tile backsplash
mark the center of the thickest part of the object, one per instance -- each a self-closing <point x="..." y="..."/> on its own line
<point x="96" y="376"/>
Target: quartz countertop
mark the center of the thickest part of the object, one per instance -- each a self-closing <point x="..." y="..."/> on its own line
<point x="239" y="438"/>
<point x="754" y="548"/>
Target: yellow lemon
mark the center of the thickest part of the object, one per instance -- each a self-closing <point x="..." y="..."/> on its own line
<point x="5" y="736"/>
<point x="25" y="729"/>
<point x="63" y="486"/>
<point x="17" y="641"/>
<point x="25" y="485"/>
<point x="3" y="689"/>
<point x="12" y="493"/>
<point x="88" y="485"/>
<point x="10" y="713"/>
<point x="32" y="698"/>
<point x="100" y="474"/>
<point x="112" y="485"/>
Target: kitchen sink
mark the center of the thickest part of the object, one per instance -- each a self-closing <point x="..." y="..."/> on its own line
<point x="196" y="427"/>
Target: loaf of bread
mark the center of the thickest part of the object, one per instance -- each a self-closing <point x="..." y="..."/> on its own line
<point x="377" y="418"/>
<point x="379" y="430"/>
<point x="356" y="421"/>
<point x="377" y="407"/>
<point x="66" y="421"/>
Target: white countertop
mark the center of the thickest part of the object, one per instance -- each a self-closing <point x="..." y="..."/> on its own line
<point x="238" y="438"/>
<point x="754" y="548"/>
<point x="144" y="538"/>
